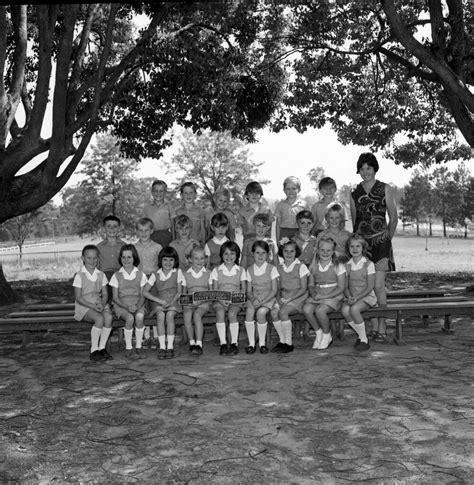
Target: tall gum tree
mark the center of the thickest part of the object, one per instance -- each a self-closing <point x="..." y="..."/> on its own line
<point x="195" y="63"/>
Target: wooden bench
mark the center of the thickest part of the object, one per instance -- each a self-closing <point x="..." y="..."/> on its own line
<point x="56" y="317"/>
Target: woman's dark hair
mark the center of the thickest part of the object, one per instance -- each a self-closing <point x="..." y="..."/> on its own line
<point x="168" y="252"/>
<point x="129" y="247"/>
<point x="231" y="246"/>
<point x="369" y="159"/>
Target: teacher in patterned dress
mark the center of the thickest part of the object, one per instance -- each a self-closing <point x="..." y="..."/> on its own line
<point x="371" y="202"/>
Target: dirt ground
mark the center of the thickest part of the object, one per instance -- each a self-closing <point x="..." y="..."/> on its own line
<point x="396" y="415"/>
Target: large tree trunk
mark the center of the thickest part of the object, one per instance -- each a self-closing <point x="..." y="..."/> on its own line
<point x="7" y="295"/>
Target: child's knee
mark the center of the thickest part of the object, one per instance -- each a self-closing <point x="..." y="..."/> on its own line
<point x="308" y="309"/>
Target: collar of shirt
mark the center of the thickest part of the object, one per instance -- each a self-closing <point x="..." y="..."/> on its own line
<point x="145" y="244"/>
<point x="89" y="276"/>
<point x="198" y="274"/>
<point x="289" y="269"/>
<point x="220" y="242"/>
<point x="229" y="272"/>
<point x="130" y="276"/>
<point x="163" y="276"/>
<point x="324" y="269"/>
<point x="260" y="270"/>
<point x="295" y="203"/>
<point x="358" y="265"/>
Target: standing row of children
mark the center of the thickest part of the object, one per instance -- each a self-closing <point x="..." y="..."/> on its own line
<point x="306" y="272"/>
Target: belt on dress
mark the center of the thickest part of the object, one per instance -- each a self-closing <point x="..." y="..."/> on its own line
<point x="330" y="285"/>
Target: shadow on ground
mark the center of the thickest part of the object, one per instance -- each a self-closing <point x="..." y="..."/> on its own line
<point x="395" y="415"/>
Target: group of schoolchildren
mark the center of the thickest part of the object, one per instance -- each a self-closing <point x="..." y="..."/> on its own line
<point x="316" y="267"/>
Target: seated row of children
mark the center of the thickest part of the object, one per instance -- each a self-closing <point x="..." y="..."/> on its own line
<point x="163" y="213"/>
<point x="278" y="284"/>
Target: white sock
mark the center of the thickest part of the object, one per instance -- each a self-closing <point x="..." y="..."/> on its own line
<point x="146" y="335"/>
<point x="360" y="330"/>
<point x="170" y="339"/>
<point x="318" y="339"/>
<point x="262" y="334"/>
<point x="104" y="336"/>
<point x="287" y="331"/>
<point x="139" y="337"/>
<point x="220" y="326"/>
<point x="192" y="342"/>
<point x="95" y="336"/>
<point x="128" y="333"/>
<point x="234" y="332"/>
<point x="199" y="343"/>
<point x="250" y="328"/>
<point x="162" y="340"/>
<point x="155" y="332"/>
<point x="279" y="329"/>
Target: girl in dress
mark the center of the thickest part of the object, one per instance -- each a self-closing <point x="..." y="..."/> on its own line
<point x="129" y="303"/>
<point x="334" y="216"/>
<point x="291" y="295"/>
<point x="163" y="290"/>
<point x="90" y="305"/>
<point x="229" y="276"/>
<point x="327" y="282"/>
<point x="262" y="286"/>
<point x="359" y="290"/>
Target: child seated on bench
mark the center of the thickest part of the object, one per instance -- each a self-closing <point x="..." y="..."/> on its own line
<point x="359" y="292"/>
<point x="129" y="303"/>
<point x="90" y="305"/>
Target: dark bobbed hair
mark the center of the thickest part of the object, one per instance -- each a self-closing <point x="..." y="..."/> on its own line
<point x="89" y="247"/>
<point x="260" y="243"/>
<point x="262" y="217"/>
<point x="293" y="243"/>
<point x="304" y="214"/>
<point x="325" y="181"/>
<point x="168" y="252"/>
<point x="188" y="184"/>
<point x="219" y="220"/>
<point x="231" y="246"/>
<point x="253" y="188"/>
<point x="129" y="247"/>
<point x="369" y="159"/>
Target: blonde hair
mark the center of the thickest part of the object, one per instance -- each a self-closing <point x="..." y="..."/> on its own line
<point x="290" y="179"/>
<point x="335" y="207"/>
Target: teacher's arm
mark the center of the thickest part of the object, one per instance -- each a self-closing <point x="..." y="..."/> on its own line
<point x="353" y="213"/>
<point x="391" y="210"/>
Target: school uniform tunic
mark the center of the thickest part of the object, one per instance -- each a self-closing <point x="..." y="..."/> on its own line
<point x="91" y="286"/>
<point x="165" y="287"/>
<point x="212" y="250"/>
<point x="196" y="282"/>
<point x="129" y="285"/>
<point x="341" y="240"/>
<point x="247" y="249"/>
<point x="307" y="248"/>
<point x="357" y="275"/>
<point x="261" y="278"/>
<point x="325" y="280"/>
<point x="290" y="282"/>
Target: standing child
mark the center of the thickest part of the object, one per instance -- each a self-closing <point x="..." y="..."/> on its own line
<point x="291" y="295"/>
<point x="196" y="213"/>
<point x="286" y="210"/>
<point x="262" y="225"/>
<point x="221" y="205"/>
<point x="327" y="282"/>
<point x="334" y="217"/>
<point x="359" y="292"/>
<point x="166" y="284"/>
<point x="183" y="243"/>
<point x="109" y="248"/>
<point x="262" y="287"/>
<point x="148" y="251"/>
<point x="253" y="194"/>
<point x="229" y="276"/>
<point x="90" y="302"/>
<point x="327" y="188"/>
<point x="303" y="238"/>
<point x="129" y="303"/>
<point x="161" y="212"/>
<point x="196" y="279"/>
<point x="212" y="249"/>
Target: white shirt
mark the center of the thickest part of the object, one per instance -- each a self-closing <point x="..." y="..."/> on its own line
<point x="91" y="277"/>
<point x="164" y="277"/>
<point x="303" y="269"/>
<point x="260" y="270"/>
<point x="219" y="242"/>
<point x="227" y="272"/>
<point x="339" y="269"/>
<point x="128" y="276"/>
<point x="360" y="265"/>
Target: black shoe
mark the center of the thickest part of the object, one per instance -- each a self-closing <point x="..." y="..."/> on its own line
<point x="224" y="350"/>
<point x="169" y="353"/>
<point x="278" y="347"/>
<point x="264" y="349"/>
<point x="96" y="356"/>
<point x="362" y="346"/>
<point x="233" y="349"/>
<point x="191" y="348"/>
<point x="356" y="343"/>
<point x="250" y="349"/>
<point x="197" y="350"/>
<point x="105" y="354"/>
<point x="288" y="348"/>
